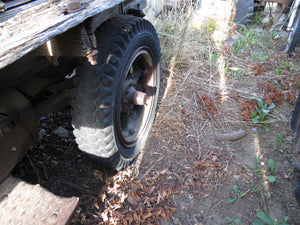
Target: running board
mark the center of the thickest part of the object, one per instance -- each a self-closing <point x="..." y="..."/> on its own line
<point x="22" y="203"/>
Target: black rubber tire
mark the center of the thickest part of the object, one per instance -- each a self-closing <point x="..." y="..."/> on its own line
<point x="294" y="36"/>
<point x="295" y="115"/>
<point x="294" y="124"/>
<point x="97" y="115"/>
<point x="297" y="191"/>
<point x="244" y="11"/>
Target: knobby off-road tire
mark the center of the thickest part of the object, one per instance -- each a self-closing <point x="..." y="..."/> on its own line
<point x="294" y="36"/>
<point x="115" y="102"/>
<point x="244" y="11"/>
<point x="295" y="115"/>
<point x="295" y="125"/>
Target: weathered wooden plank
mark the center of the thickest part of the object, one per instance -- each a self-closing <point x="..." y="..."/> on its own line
<point x="36" y="25"/>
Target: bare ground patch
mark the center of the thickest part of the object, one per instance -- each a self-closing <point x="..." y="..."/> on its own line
<point x="227" y="181"/>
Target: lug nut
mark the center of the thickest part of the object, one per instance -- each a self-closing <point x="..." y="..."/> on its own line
<point x="5" y="128"/>
<point x="131" y="132"/>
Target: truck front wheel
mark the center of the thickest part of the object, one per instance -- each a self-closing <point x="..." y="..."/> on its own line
<point x="115" y="101"/>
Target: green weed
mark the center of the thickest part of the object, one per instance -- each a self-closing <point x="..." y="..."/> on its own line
<point x="256" y="189"/>
<point x="266" y="219"/>
<point x="210" y="27"/>
<point x="237" y="193"/>
<point x="279" y="140"/>
<point x="250" y="38"/>
<point x="261" y="113"/>
<point x="260" y="172"/>
<point x="272" y="166"/>
<point x="232" y="221"/>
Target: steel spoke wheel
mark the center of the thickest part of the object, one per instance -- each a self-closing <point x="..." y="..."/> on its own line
<point x="135" y="99"/>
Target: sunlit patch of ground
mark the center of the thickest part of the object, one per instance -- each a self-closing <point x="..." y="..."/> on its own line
<point x="196" y="167"/>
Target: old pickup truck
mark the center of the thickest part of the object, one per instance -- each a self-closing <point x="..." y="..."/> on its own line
<point x="99" y="56"/>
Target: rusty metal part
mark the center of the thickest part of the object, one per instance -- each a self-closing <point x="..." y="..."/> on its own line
<point x="91" y="43"/>
<point x="12" y="4"/>
<point x="91" y="32"/>
<point x="22" y="203"/>
<point x="54" y="103"/>
<point x="140" y="98"/>
<point x="18" y="108"/>
<point x="92" y="57"/>
<point x="93" y="40"/>
<point x="74" y="6"/>
<point x="19" y="128"/>
<point x="12" y="148"/>
<point x="133" y="96"/>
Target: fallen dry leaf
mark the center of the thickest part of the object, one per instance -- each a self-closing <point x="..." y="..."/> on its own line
<point x="164" y="171"/>
<point x="163" y="215"/>
<point x="200" y="163"/>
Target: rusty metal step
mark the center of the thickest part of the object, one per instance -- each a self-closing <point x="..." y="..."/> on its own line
<point x="23" y="204"/>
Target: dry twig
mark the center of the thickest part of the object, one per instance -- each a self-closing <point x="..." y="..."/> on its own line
<point x="148" y="171"/>
<point x="34" y="169"/>
<point x="203" y="103"/>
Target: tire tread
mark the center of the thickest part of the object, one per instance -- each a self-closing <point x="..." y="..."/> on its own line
<point x="123" y="28"/>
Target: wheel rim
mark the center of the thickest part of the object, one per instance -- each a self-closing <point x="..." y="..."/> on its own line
<point x="291" y="35"/>
<point x="136" y="96"/>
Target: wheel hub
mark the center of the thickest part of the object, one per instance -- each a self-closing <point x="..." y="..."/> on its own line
<point x="133" y="96"/>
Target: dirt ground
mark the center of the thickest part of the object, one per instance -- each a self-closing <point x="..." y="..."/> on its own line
<point x="206" y="160"/>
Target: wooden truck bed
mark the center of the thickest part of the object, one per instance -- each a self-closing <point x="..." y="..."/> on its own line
<point x="28" y="26"/>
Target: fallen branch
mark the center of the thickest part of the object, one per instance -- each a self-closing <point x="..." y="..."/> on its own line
<point x="236" y="135"/>
<point x="76" y="186"/>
